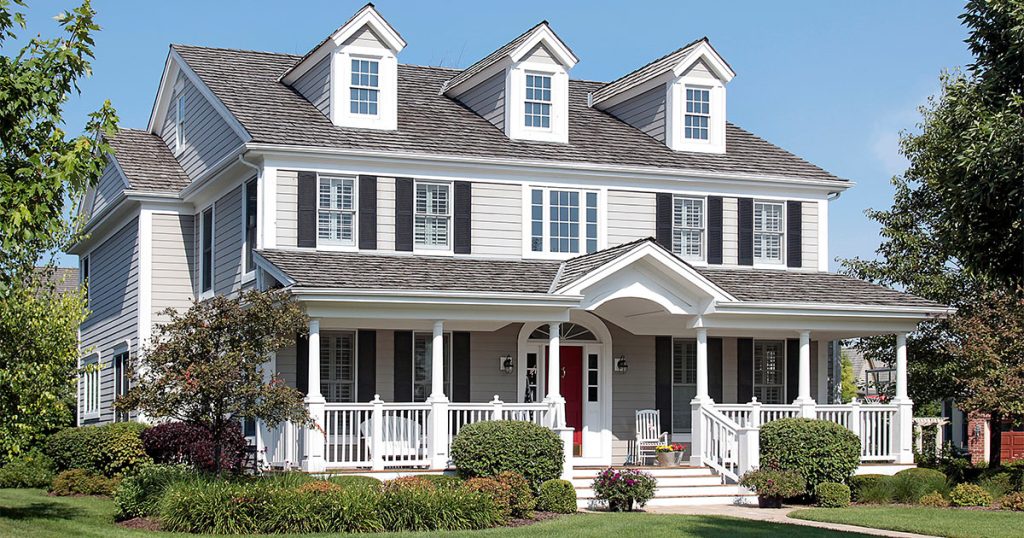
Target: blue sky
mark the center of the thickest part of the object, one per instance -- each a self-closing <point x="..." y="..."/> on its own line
<point x="833" y="82"/>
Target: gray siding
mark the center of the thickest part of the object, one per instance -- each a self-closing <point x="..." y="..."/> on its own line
<point x="385" y="213"/>
<point x="113" y="304"/>
<point x="173" y="263"/>
<point x="809" y="235"/>
<point x="497" y="219"/>
<point x="287" y="208"/>
<point x="227" y="242"/>
<point x="286" y="365"/>
<point x="386" y="365"/>
<point x="730" y="231"/>
<point x="315" y="85"/>
<point x="634" y="389"/>
<point x="645" y="112"/>
<point x="488" y="99"/>
<point x="487" y="381"/>
<point x="701" y="70"/>
<point x="540" y="54"/>
<point x="208" y="137"/>
<point x="365" y="38"/>
<point x="108" y="187"/>
<point x="631" y="216"/>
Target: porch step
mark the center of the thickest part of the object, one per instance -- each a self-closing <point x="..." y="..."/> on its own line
<point x="656" y="472"/>
<point x="677" y="486"/>
<point x="663" y="481"/>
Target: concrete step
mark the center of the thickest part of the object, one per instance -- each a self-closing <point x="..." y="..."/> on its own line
<point x="685" y="491"/>
<point x="656" y="472"/>
<point x="663" y="481"/>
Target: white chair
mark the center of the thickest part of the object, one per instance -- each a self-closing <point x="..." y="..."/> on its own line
<point x="648" y="422"/>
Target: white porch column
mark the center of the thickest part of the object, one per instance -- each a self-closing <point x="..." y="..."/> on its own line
<point x="438" y="401"/>
<point x="803" y="398"/>
<point x="904" y="423"/>
<point x="702" y="365"/>
<point x="313" y="460"/>
<point x="554" y="362"/>
<point x="702" y="398"/>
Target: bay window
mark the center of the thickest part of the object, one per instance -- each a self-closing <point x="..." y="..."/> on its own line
<point x="563" y="221"/>
<point x="768" y="226"/>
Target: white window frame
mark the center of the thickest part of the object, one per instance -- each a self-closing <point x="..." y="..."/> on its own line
<point x="582" y="239"/>
<point x="416" y="214"/>
<point x="428" y="355"/>
<point x="762" y="260"/>
<point x="207" y="293"/>
<point x="709" y="115"/>
<point x="339" y="244"/>
<point x="781" y="384"/>
<point x="550" y="102"/>
<point x="122" y="384"/>
<point x="350" y="86"/>
<point x="247" y="245"/>
<point x="179" y="125"/>
<point x="678" y="201"/>
<point x="328" y="344"/>
<point x="90" y="387"/>
<point x="683" y="381"/>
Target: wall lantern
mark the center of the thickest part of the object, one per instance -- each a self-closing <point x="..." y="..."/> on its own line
<point x="621" y="365"/>
<point x="505" y="364"/>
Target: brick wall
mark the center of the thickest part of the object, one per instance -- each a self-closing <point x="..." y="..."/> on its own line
<point x="978" y="437"/>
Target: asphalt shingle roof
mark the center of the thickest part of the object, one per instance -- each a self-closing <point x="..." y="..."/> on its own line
<point x="430" y="123"/>
<point x="147" y="162"/>
<point x="575" y="268"/>
<point x="489" y="60"/>
<point x="647" y="72"/>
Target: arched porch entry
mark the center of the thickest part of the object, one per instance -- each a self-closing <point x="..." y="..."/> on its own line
<point x="586" y="364"/>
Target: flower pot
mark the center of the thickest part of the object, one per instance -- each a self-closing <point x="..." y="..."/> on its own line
<point x="666" y="459"/>
<point x="621" y="505"/>
<point x="682" y="456"/>
<point x="769" y="502"/>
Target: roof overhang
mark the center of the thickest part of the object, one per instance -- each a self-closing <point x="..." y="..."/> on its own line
<point x="546" y="36"/>
<point x="704" y="51"/>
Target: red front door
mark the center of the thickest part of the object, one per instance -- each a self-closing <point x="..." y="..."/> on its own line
<point x="571" y="387"/>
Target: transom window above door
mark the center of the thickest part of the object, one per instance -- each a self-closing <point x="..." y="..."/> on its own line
<point x="433" y="213"/>
<point x="563" y="221"/>
<point x="336" y="215"/>
<point x="567" y="332"/>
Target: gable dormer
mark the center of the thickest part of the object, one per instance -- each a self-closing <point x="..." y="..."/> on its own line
<point x="522" y="88"/>
<point x="678" y="99"/>
<point x="352" y="76"/>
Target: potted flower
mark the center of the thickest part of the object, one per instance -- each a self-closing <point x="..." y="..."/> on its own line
<point x="772" y="486"/>
<point x="682" y="452"/>
<point x="622" y="489"/>
<point x="666" y="455"/>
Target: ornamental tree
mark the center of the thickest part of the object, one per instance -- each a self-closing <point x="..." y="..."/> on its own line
<point x="207" y="366"/>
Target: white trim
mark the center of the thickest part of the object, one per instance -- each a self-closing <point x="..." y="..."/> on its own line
<point x="179" y="123"/>
<point x="823" y="259"/>
<point x="84" y="273"/>
<point x="212" y="208"/>
<point x="764" y="262"/>
<point x="527" y="215"/>
<point x="145" y="279"/>
<point x="546" y="36"/>
<point x="515" y="91"/>
<point x="675" y="111"/>
<point x="449" y="246"/>
<point x="339" y="244"/>
<point x="248" y="276"/>
<point x="85" y="379"/>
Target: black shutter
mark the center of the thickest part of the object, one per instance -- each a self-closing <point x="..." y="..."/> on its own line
<point x="746" y="231"/>
<point x="715" y="230"/>
<point x="715" y="369"/>
<point x="663" y="220"/>
<point x="463" y="207"/>
<point x="663" y="380"/>
<point x="307" y="210"/>
<point x="460" y="367"/>
<point x="302" y="364"/>
<point x="368" y="212"/>
<point x="794" y="224"/>
<point x="792" y="369"/>
<point x="744" y="370"/>
<point x="403" y="214"/>
<point x="403" y="366"/>
<point x="366" y="382"/>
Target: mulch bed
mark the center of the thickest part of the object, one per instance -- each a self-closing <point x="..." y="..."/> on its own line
<point x="537" y="517"/>
<point x="140" y="523"/>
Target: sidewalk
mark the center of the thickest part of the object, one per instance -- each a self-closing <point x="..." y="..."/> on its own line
<point x="774" y="516"/>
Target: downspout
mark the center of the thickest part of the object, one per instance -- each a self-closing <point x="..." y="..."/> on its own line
<point x="259" y="196"/>
<point x="832" y="196"/>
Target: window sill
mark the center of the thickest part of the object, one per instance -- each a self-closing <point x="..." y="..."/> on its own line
<point x="206" y="295"/>
<point x="248" y="277"/>
<point x="90" y="416"/>
<point x="769" y="265"/>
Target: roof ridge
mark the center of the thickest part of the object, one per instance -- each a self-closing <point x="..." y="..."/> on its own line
<point x="658" y="59"/>
<point x="233" y="49"/>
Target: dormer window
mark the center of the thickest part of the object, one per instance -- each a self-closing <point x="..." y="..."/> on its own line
<point x="365" y="87"/>
<point x="537" y="105"/>
<point x="179" y="126"/>
<point x="698" y="113"/>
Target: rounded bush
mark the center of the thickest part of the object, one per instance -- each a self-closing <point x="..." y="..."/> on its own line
<point x="521" y="498"/>
<point x="75" y="448"/>
<point x="969" y="495"/>
<point x="820" y="451"/>
<point x="864" y="481"/>
<point x="557" y="496"/>
<point x="832" y="495"/>
<point x="934" y="500"/>
<point x="82" y="482"/>
<point x="909" y="485"/>
<point x="1013" y="501"/>
<point x="138" y="494"/>
<point x="500" y="493"/>
<point x="112" y="449"/>
<point x="191" y="444"/>
<point x="123" y="451"/>
<point x="485" y="449"/>
<point x="31" y="470"/>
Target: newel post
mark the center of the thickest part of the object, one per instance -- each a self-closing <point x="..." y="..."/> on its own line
<point x="748" y="446"/>
<point x="497" y="408"/>
<point x="376" y="432"/>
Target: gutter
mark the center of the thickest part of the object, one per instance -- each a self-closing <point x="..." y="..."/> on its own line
<point x="926" y="311"/>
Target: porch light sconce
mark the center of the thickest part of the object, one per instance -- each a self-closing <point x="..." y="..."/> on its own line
<point x="621" y="365"/>
<point x="505" y="364"/>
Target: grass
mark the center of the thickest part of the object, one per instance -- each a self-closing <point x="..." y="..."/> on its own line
<point x="919" y="519"/>
<point x="30" y="513"/>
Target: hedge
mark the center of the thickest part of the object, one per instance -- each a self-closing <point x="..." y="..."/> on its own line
<point x="820" y="451"/>
<point x="910" y="485"/>
<point x="82" y="482"/>
<point x="31" y="470"/>
<point x="864" y="482"/>
<point x="111" y="449"/>
<point x="486" y="449"/>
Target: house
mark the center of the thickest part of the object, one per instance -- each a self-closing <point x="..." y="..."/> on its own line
<point x="496" y="241"/>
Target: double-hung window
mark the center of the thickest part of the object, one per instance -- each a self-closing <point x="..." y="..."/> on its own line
<point x="698" y="114"/>
<point x="89" y="387"/>
<point x="337" y="211"/>
<point x="179" y="125"/>
<point x="688" y="227"/>
<point x="206" y="251"/>
<point x="249" y="217"/>
<point x="338" y="367"/>
<point x="365" y="89"/>
<point x="768" y="226"/>
<point x="563" y="221"/>
<point x="769" y="371"/>
<point x="537" y="105"/>
<point x="121" y="382"/>
<point x="433" y="214"/>
<point x="422" y="371"/>
<point x="684" y="383"/>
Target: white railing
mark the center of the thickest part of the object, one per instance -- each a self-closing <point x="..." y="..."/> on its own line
<point x="726" y="446"/>
<point x="281" y="446"/>
<point x="464" y="414"/>
<point x="771" y="412"/>
<point x="840" y="414"/>
<point x="877" y="432"/>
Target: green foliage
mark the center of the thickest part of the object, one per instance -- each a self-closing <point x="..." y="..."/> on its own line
<point x="909" y="485"/>
<point x="485" y="449"/>
<point x="622" y="489"/>
<point x="355" y="481"/>
<point x="138" y="495"/>
<point x="442" y="481"/>
<point x="82" y="482"/>
<point x="557" y="495"/>
<point x="112" y="449"/>
<point x="521" y="498"/>
<point x="969" y="495"/>
<point x="206" y="365"/>
<point x="1013" y="501"/>
<point x="832" y="495"/>
<point x="876" y="492"/>
<point x="820" y="451"/>
<point x="863" y="481"/>
<point x="997" y="485"/>
<point x="418" y="509"/>
<point x="31" y="470"/>
<point x="934" y="500"/>
<point x="773" y="483"/>
<point x="500" y="494"/>
<point x="848" y="378"/>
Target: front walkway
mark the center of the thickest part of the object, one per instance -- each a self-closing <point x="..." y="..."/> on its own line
<point x="774" y="516"/>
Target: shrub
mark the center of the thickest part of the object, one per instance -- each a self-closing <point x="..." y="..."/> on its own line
<point x="449" y="509"/>
<point x="31" y="470"/>
<point x="557" y="496"/>
<point x="75" y="448"/>
<point x="1013" y="501"/>
<point x="522" y="499"/>
<point x="191" y="444"/>
<point x="488" y="448"/>
<point x="318" y="486"/>
<point x="416" y="482"/>
<point x="139" y="494"/>
<point x="832" y="495"/>
<point x="773" y="484"/>
<point x="997" y="485"/>
<point x="863" y="481"/>
<point x="969" y="495"/>
<point x="909" y="485"/>
<point x="82" y="482"/>
<point x="112" y="449"/>
<point x="621" y="489"/>
<point x="820" y="451"/>
<point x="934" y="500"/>
<point x="876" y="492"/>
<point x="442" y="481"/>
<point x="356" y="481"/>
<point x="500" y="493"/>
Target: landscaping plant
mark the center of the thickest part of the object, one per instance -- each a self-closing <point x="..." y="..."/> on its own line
<point x="1013" y="501"/>
<point x="969" y="495"/>
<point x="138" y="495"/>
<point x="30" y="470"/>
<point x="818" y="450"/>
<point x="909" y="485"/>
<point x="861" y="482"/>
<point x="772" y="485"/>
<point x="499" y="492"/>
<point x="356" y="481"/>
<point x="521" y="498"/>
<point x="82" y="482"/>
<point x="111" y="449"/>
<point x="193" y="444"/>
<point x="624" y="489"/>
<point x="934" y="500"/>
<point x="832" y="495"/>
<point x="485" y="449"/>
<point x="557" y="495"/>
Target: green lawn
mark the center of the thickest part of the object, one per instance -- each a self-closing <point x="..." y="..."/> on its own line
<point x="934" y="521"/>
<point x="31" y="513"/>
